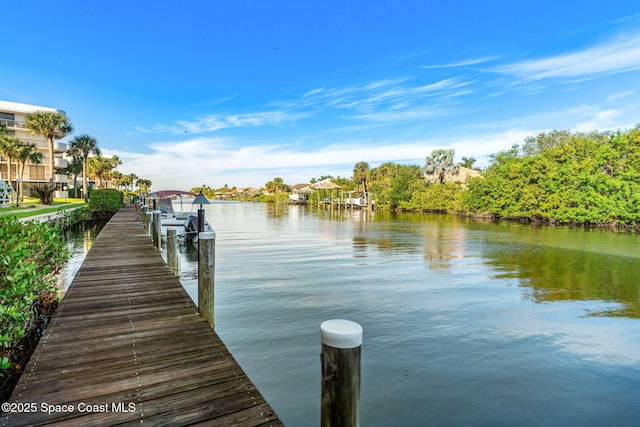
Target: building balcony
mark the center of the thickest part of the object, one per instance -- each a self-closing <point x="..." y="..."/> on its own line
<point x="13" y="124"/>
<point x="60" y="178"/>
<point x="60" y="163"/>
<point x="59" y="147"/>
<point x="39" y="143"/>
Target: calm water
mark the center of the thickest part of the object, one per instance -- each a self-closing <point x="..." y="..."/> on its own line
<point x="465" y="323"/>
<point x="79" y="240"/>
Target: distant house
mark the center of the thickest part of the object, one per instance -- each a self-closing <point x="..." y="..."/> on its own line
<point x="254" y="192"/>
<point x="461" y="177"/>
<point x="298" y="187"/>
<point x="246" y="191"/>
<point x="300" y="193"/>
<point x="326" y="184"/>
<point x="464" y="175"/>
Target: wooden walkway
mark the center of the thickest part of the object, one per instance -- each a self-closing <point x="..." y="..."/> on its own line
<point x="127" y="346"/>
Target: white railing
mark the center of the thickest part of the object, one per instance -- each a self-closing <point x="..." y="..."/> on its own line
<point x="13" y="123"/>
<point x="60" y="163"/>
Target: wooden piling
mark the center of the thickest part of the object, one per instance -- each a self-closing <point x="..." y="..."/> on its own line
<point x="149" y="223"/>
<point x="206" y="269"/>
<point x="340" y="359"/>
<point x="172" y="251"/>
<point x="143" y="215"/>
<point x="156" y="230"/>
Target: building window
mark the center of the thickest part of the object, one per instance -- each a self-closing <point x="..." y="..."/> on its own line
<point x="7" y="118"/>
<point x="36" y="173"/>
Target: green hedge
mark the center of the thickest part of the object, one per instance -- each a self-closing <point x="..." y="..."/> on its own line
<point x="105" y="203"/>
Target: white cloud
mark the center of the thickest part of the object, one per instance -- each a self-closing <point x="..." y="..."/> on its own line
<point x="219" y="161"/>
<point x="619" y="95"/>
<point x="464" y="63"/>
<point x="581" y="117"/>
<point x="598" y="120"/>
<point x="214" y="122"/>
<point x="233" y="161"/>
<point x="615" y="56"/>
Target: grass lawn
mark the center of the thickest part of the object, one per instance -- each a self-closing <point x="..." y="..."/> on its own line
<point x="32" y="206"/>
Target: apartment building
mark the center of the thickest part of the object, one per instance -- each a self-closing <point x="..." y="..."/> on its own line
<point x="14" y="115"/>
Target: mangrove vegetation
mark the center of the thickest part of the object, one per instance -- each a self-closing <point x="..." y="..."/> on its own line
<point x="556" y="177"/>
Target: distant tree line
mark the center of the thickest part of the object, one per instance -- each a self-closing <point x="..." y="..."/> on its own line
<point x="562" y="177"/>
<point x="557" y="177"/>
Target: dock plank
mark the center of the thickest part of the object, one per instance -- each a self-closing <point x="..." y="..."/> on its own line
<point x="126" y="333"/>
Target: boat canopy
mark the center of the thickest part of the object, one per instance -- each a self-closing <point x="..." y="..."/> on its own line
<point x="169" y="193"/>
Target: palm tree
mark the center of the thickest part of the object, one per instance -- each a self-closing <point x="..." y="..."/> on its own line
<point x="144" y="185"/>
<point x="10" y="148"/>
<point x="82" y="146"/>
<point x="52" y="125"/>
<point x="115" y="160"/>
<point x="98" y="167"/>
<point x="438" y="164"/>
<point x="26" y="153"/>
<point x="275" y="186"/>
<point x="75" y="168"/>
<point x="360" y="172"/>
<point x="112" y="173"/>
<point x="468" y="162"/>
<point x="101" y="168"/>
<point x="116" y="178"/>
<point x="132" y="179"/>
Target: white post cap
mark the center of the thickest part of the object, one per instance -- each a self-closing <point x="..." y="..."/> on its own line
<point x="340" y="333"/>
<point x="207" y="235"/>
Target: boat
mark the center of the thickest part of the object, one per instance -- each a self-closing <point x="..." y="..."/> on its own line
<point x="191" y="228"/>
<point x="185" y="223"/>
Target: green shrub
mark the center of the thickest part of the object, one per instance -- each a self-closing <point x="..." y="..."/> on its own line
<point x="30" y="255"/>
<point x="105" y="203"/>
<point x="45" y="192"/>
<point x="74" y="216"/>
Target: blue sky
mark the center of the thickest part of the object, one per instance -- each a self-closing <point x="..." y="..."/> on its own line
<point x="220" y="92"/>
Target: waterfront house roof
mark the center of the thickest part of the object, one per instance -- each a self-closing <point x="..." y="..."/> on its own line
<point x="296" y="187"/>
<point x="169" y="193"/>
<point x="461" y="177"/>
<point x="255" y="191"/>
<point x="301" y="188"/>
<point x="326" y="184"/>
<point x="464" y="175"/>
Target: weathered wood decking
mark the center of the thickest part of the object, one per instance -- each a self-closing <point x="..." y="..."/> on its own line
<point x="127" y="346"/>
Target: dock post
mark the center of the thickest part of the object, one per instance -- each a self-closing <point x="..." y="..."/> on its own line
<point x="143" y="215"/>
<point x="340" y="359"/>
<point x="150" y="223"/>
<point x="206" y="269"/>
<point x="156" y="230"/>
<point x="172" y="251"/>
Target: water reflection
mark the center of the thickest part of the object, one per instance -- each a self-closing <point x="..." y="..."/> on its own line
<point x="466" y="323"/>
<point x="560" y="274"/>
<point x="78" y="240"/>
<point x="443" y="242"/>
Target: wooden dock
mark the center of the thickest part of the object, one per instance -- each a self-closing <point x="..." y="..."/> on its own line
<point x="127" y="346"/>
